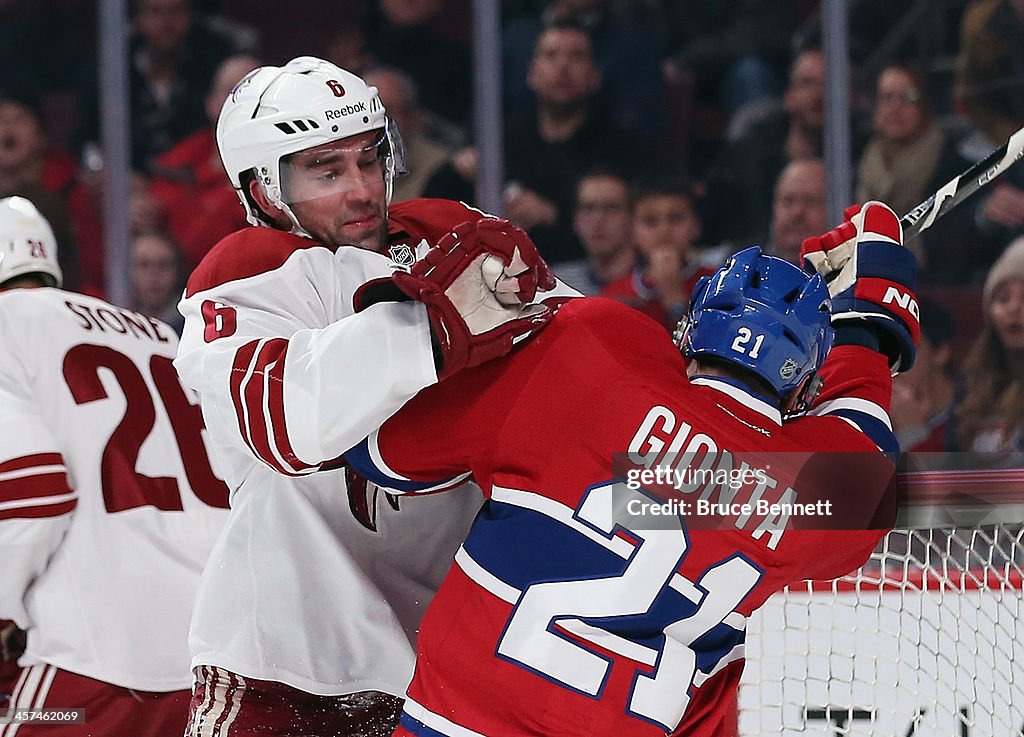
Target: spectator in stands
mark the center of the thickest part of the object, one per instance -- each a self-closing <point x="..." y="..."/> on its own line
<point x="909" y="155"/>
<point x="628" y="54"/>
<point x="423" y="155"/>
<point x="50" y="180"/>
<point x="602" y="222"/>
<point x="990" y="66"/>
<point x="173" y="57"/>
<point x="998" y="219"/>
<point x="403" y="35"/>
<point x="347" y="47"/>
<point x="908" y="158"/>
<point x="736" y="53"/>
<point x="989" y="415"/>
<point x="922" y="398"/>
<point x="144" y="212"/>
<point x="666" y="228"/>
<point x="157" y="277"/>
<point x="25" y="46"/>
<point x="990" y="83"/>
<point x="547" y="149"/>
<point x="740" y="181"/>
<point x="194" y="201"/>
<point x="798" y="207"/>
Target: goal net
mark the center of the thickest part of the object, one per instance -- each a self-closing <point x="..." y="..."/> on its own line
<point x="927" y="639"/>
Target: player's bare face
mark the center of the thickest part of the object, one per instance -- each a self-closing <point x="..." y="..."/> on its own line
<point x="1007" y="314"/>
<point x="337" y="192"/>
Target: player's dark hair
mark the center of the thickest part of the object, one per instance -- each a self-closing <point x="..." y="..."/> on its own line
<point x="38" y="278"/>
<point x="740" y="374"/>
<point x="245" y="179"/>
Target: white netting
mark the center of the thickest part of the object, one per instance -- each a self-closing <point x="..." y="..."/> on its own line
<point x="926" y="640"/>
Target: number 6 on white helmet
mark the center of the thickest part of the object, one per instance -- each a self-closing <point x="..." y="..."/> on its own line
<point x="274" y="112"/>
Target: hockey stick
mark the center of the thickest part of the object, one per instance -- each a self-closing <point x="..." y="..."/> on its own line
<point x="956" y="191"/>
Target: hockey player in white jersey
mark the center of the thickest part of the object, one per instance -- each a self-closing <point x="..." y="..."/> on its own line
<point x="306" y="612"/>
<point x="108" y="503"/>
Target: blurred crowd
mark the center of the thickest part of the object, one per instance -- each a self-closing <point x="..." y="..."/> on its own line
<point x="644" y="141"/>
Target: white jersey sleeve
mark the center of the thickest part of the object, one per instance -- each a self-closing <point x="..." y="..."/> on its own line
<point x="36" y="501"/>
<point x="108" y="504"/>
<point x="292" y="375"/>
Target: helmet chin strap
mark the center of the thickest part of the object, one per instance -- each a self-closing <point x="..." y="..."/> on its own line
<point x="297" y="229"/>
<point x="274" y="195"/>
<point x="801" y="398"/>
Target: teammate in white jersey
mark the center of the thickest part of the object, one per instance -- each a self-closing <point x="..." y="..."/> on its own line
<point x="306" y="612"/>
<point x="108" y="503"/>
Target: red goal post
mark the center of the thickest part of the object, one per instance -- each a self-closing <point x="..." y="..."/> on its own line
<point x="926" y="639"/>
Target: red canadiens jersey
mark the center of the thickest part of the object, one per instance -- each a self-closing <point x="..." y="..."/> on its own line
<point x="564" y="614"/>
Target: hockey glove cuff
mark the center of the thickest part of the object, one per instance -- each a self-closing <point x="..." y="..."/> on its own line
<point x="871" y="278"/>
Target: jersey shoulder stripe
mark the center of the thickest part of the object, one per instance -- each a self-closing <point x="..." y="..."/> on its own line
<point x="246" y="253"/>
<point x="253" y="251"/>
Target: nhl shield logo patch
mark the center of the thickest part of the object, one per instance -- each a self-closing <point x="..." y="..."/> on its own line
<point x="402" y="255"/>
<point x="789" y="369"/>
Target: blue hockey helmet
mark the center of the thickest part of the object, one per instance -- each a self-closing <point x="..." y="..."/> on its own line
<point x="765" y="315"/>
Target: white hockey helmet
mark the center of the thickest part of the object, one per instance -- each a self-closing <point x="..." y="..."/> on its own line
<point x="27" y="245"/>
<point x="277" y="111"/>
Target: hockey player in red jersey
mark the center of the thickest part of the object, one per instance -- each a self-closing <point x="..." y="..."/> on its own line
<point x="564" y="616"/>
<point x="306" y="615"/>
<point x="108" y="503"/>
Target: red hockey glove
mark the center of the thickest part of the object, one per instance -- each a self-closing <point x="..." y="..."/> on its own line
<point x="871" y="278"/>
<point x="478" y="283"/>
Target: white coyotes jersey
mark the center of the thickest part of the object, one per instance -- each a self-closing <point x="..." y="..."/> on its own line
<point x="108" y="504"/>
<point x="298" y="590"/>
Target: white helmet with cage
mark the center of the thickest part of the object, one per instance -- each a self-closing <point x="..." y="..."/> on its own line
<point x="277" y="111"/>
<point x="27" y="245"/>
